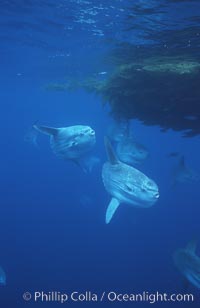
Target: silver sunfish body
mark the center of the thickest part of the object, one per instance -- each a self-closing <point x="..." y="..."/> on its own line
<point x="72" y="143"/>
<point x="188" y="263"/>
<point x="126" y="184"/>
<point x="131" y="152"/>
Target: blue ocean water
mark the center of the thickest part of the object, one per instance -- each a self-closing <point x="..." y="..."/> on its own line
<point x="52" y="224"/>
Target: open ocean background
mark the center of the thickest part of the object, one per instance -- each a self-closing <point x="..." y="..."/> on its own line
<point x="53" y="236"/>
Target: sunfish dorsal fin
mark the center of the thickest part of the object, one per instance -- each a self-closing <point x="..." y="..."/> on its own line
<point x="112" y="207"/>
<point x="46" y="130"/>
<point x="110" y="152"/>
<point x="191" y="246"/>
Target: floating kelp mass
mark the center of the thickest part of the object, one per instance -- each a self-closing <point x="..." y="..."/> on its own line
<point x="161" y="91"/>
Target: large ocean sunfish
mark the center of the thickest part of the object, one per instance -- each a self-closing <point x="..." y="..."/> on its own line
<point x="188" y="263"/>
<point x="72" y="143"/>
<point x="183" y="174"/>
<point x="126" y="184"/>
<point x="131" y="152"/>
<point x="118" y="130"/>
<point x="128" y="150"/>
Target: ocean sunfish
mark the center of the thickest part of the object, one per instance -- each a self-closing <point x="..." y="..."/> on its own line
<point x="118" y="130"/>
<point x="182" y="173"/>
<point x="72" y="143"/>
<point x="126" y="184"/>
<point x="131" y="152"/>
<point x="188" y="263"/>
<point x="2" y="277"/>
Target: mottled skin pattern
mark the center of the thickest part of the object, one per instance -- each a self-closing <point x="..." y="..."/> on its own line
<point x="73" y="142"/>
<point x="126" y="184"/>
<point x="129" y="185"/>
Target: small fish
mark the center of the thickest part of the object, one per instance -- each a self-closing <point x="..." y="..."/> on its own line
<point x="126" y="184"/>
<point x="72" y="143"/>
<point x="102" y="73"/>
<point x="2" y="277"/>
<point x="183" y="174"/>
<point x="131" y="152"/>
<point x="188" y="263"/>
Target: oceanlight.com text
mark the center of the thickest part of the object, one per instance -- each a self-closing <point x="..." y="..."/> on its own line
<point x="106" y="296"/>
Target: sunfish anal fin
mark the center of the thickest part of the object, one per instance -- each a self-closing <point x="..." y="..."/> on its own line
<point x="46" y="130"/>
<point x="112" y="207"/>
<point x="110" y="152"/>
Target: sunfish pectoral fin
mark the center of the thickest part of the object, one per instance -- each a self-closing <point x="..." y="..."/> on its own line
<point x="191" y="246"/>
<point x="110" y="152"/>
<point x="46" y="130"/>
<point x="112" y="207"/>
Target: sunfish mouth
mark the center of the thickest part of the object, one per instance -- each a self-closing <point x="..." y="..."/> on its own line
<point x="156" y="195"/>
